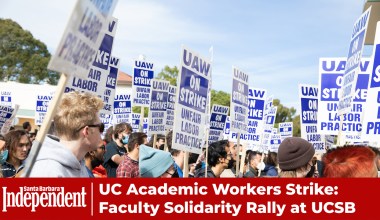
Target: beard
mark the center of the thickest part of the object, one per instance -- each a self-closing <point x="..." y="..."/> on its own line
<point x="230" y="164"/>
<point x="96" y="162"/>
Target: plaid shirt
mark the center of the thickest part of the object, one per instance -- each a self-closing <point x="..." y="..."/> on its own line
<point x="128" y="168"/>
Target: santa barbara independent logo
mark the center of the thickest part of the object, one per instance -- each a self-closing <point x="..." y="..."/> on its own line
<point x="41" y="196"/>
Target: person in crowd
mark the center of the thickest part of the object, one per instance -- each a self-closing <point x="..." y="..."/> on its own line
<point x="108" y="137"/>
<point x="78" y="129"/>
<point x="116" y="148"/>
<point x="178" y="155"/>
<point x="231" y="172"/>
<point x="27" y="127"/>
<point x="294" y="157"/>
<point x="32" y="136"/>
<point x="17" y="145"/>
<point x="350" y="161"/>
<point x="377" y="159"/>
<point x="160" y="142"/>
<point x="156" y="163"/>
<point x="201" y="163"/>
<point x="313" y="170"/>
<point x="246" y="162"/>
<point x="219" y="158"/>
<point x="254" y="159"/>
<point x="94" y="159"/>
<point x="270" y="169"/>
<point x="193" y="159"/>
<point x="129" y="167"/>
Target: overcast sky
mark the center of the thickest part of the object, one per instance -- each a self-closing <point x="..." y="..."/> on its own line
<point x="278" y="43"/>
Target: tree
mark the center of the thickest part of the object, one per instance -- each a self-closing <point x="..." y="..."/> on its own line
<point x="296" y="126"/>
<point x="22" y="57"/>
<point x="220" y="98"/>
<point x="137" y="109"/>
<point x="169" y="74"/>
<point x="284" y="114"/>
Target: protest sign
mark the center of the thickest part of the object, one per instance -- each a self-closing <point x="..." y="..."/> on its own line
<point x="7" y="114"/>
<point x="83" y="34"/>
<point x="371" y="119"/>
<point x="170" y="110"/>
<point x="309" y="111"/>
<point x="285" y="129"/>
<point x="192" y="95"/>
<point x="329" y="141"/>
<point x="143" y="74"/>
<point x="226" y="131"/>
<point x="239" y="101"/>
<point x="157" y="110"/>
<point x="256" y="105"/>
<point x="145" y="125"/>
<point x="74" y="55"/>
<point x="218" y="119"/>
<point x="6" y="98"/>
<point x="122" y="108"/>
<point x="275" y="141"/>
<point x="350" y="76"/>
<point x="268" y="127"/>
<point x="330" y="80"/>
<point x="102" y="75"/>
<point x="107" y="121"/>
<point x="42" y="104"/>
<point x="136" y="122"/>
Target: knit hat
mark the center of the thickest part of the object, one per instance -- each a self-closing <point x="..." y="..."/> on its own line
<point x="153" y="162"/>
<point x="294" y="152"/>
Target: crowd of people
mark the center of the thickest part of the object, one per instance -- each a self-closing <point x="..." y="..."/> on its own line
<point x="74" y="148"/>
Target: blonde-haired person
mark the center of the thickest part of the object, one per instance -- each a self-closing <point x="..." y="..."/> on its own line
<point x="295" y="157"/>
<point x="78" y="127"/>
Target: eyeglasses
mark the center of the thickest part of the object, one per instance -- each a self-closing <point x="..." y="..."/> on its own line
<point x="171" y="174"/>
<point x="100" y="126"/>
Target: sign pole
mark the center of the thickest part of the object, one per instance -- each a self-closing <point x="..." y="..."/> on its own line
<point x="154" y="141"/>
<point x="186" y="164"/>
<point x="166" y="148"/>
<point x="340" y="134"/>
<point x="206" y="153"/>
<point x="242" y="162"/>
<point x="238" y="155"/>
<point x="141" y="119"/>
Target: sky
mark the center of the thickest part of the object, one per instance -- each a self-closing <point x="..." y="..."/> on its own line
<point x="277" y="43"/>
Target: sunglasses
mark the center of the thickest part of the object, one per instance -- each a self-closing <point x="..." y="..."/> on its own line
<point x="171" y="174"/>
<point x="100" y="126"/>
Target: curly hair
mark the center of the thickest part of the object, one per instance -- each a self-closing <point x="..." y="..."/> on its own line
<point x="76" y="109"/>
<point x="350" y="161"/>
<point x="216" y="150"/>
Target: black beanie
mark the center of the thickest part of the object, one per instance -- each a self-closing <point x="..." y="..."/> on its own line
<point x="294" y="152"/>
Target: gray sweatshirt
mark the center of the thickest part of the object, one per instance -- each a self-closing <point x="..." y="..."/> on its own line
<point x="55" y="160"/>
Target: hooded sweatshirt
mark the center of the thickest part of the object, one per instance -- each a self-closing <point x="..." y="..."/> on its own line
<point x="55" y="160"/>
